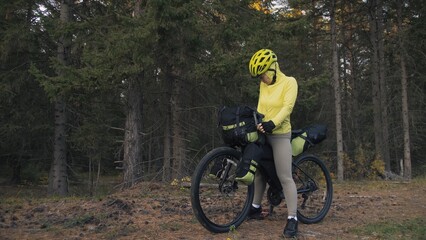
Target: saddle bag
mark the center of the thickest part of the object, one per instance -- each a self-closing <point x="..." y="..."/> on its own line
<point x="304" y="138"/>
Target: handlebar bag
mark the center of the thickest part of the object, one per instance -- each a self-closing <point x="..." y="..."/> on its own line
<point x="238" y="125"/>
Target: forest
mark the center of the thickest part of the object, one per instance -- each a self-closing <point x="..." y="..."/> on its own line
<point x="131" y="88"/>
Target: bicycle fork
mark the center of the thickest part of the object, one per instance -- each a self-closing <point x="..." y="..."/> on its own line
<point x="224" y="177"/>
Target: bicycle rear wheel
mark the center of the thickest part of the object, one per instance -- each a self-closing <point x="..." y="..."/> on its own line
<point x="219" y="203"/>
<point x="314" y="187"/>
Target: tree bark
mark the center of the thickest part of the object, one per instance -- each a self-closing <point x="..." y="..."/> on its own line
<point x="58" y="176"/>
<point x="178" y="132"/>
<point x="404" y="98"/>
<point x="174" y="135"/>
<point x="383" y="88"/>
<point x="166" y="148"/>
<point x="132" y="159"/>
<point x="375" y="80"/>
<point x="337" y="95"/>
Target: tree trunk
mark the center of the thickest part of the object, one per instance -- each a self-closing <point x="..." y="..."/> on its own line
<point x="337" y="95"/>
<point x="353" y="104"/>
<point x="375" y="79"/>
<point x="174" y="137"/>
<point x="405" y="120"/>
<point x="404" y="98"/>
<point x="90" y="177"/>
<point x="132" y="161"/>
<point x="178" y="132"/>
<point x="166" y="148"/>
<point x="58" y="176"/>
<point x="354" y="136"/>
<point x="383" y="88"/>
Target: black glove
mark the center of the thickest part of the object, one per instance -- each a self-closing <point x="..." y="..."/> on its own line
<point x="268" y="126"/>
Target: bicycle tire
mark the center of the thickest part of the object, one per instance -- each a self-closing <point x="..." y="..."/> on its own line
<point x="315" y="189"/>
<point x="220" y="204"/>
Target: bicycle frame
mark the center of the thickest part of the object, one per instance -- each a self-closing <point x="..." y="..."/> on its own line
<point x="220" y="203"/>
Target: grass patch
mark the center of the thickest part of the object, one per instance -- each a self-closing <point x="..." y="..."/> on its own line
<point x="120" y="231"/>
<point x="80" y="221"/>
<point x="171" y="226"/>
<point x="367" y="185"/>
<point x="107" y="186"/>
<point x="414" y="229"/>
<point x="23" y="191"/>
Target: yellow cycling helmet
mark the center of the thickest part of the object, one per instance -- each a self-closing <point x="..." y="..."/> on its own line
<point x="261" y="61"/>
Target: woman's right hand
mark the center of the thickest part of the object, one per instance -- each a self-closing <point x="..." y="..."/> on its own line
<point x="266" y="127"/>
<point x="260" y="128"/>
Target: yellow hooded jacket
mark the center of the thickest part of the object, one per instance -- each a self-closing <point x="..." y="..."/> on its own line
<point x="276" y="101"/>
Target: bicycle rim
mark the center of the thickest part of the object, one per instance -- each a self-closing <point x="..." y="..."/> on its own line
<point x="315" y="190"/>
<point x="219" y="203"/>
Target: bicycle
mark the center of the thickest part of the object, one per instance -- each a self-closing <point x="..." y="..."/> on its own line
<point x="221" y="204"/>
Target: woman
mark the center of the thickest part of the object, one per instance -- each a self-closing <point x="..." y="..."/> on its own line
<point x="277" y="97"/>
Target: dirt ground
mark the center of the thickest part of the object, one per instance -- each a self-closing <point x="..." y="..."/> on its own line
<point x="155" y="211"/>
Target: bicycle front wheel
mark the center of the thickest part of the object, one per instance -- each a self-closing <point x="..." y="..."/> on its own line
<point x="219" y="203"/>
<point x="314" y="188"/>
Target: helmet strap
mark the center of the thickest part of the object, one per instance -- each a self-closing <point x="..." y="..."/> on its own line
<point x="274" y="78"/>
<point x="271" y="76"/>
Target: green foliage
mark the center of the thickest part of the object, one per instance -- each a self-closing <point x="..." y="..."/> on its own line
<point x="204" y="46"/>
<point x="365" y="165"/>
<point x="80" y="221"/>
<point x="25" y="122"/>
<point x="403" y="229"/>
<point x="309" y="107"/>
<point x="33" y="173"/>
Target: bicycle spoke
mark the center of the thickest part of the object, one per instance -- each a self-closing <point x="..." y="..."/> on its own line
<point x="219" y="198"/>
<point x="314" y="187"/>
<point x="218" y="201"/>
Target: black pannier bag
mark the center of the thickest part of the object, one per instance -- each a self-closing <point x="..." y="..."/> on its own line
<point x="238" y="125"/>
<point x="304" y="138"/>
